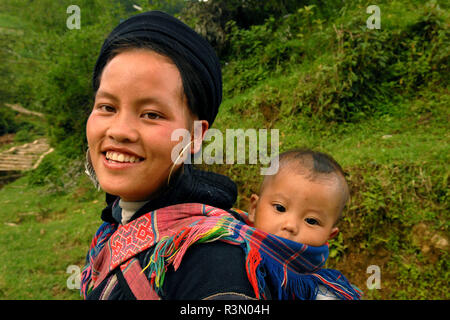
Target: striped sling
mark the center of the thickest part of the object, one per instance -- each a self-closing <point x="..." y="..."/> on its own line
<point x="293" y="270"/>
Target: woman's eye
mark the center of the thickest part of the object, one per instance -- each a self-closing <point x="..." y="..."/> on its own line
<point x="151" y="115"/>
<point x="279" y="208"/>
<point x="106" y="108"/>
<point x="311" y="221"/>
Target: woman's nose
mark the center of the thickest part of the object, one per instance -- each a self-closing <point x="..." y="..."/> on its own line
<point x="123" y="128"/>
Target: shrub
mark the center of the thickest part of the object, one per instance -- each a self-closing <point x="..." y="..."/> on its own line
<point x="57" y="173"/>
<point x="8" y="123"/>
<point x="66" y="94"/>
<point x="370" y="70"/>
<point x="53" y="64"/>
<point x="5" y="68"/>
<point x="211" y="18"/>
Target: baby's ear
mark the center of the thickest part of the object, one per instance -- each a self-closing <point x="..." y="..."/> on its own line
<point x="252" y="209"/>
<point x="334" y="233"/>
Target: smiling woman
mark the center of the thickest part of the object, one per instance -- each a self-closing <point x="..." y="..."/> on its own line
<point x="155" y="75"/>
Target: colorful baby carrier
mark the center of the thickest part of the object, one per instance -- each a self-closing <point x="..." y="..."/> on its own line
<point x="294" y="270"/>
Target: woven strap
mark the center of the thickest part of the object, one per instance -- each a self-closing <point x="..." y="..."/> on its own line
<point x="137" y="281"/>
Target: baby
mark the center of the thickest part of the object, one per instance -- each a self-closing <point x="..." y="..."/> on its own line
<point x="304" y="201"/>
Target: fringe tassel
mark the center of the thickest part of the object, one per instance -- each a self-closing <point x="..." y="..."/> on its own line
<point x="170" y="250"/>
<point x="335" y="281"/>
<point x="101" y="236"/>
<point x="196" y="234"/>
<point x="289" y="285"/>
<point x="156" y="265"/>
<point x="253" y="271"/>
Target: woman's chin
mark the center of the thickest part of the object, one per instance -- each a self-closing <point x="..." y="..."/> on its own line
<point x="127" y="191"/>
<point x="115" y="188"/>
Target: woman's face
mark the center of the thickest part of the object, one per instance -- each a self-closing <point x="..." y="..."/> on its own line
<point x="139" y="103"/>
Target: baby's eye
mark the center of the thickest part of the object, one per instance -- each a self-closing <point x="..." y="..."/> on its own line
<point x="311" y="221"/>
<point x="151" y="115"/>
<point x="279" y="208"/>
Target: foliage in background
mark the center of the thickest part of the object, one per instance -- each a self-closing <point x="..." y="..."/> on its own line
<point x="8" y="122"/>
<point x="398" y="220"/>
<point x="365" y="72"/>
<point x="56" y="176"/>
<point x="211" y="18"/>
<point x="5" y="69"/>
<point x="54" y="64"/>
<point x="368" y="69"/>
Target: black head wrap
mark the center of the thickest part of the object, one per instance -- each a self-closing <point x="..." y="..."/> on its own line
<point x="196" y="60"/>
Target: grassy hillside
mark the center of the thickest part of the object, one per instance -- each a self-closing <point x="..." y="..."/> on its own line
<point x="392" y="138"/>
<point x="377" y="100"/>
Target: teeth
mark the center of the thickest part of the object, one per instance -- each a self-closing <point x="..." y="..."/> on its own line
<point x="120" y="157"/>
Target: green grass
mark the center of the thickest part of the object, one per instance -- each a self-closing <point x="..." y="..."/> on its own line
<point x="10" y="22"/>
<point x="41" y="235"/>
<point x="410" y="135"/>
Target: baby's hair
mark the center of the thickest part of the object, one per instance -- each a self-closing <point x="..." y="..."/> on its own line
<point x="314" y="166"/>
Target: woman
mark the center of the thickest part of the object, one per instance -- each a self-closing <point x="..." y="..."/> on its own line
<point x="155" y="75"/>
<point x="169" y="231"/>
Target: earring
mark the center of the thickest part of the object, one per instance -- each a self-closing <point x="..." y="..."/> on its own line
<point x="89" y="170"/>
<point x="175" y="162"/>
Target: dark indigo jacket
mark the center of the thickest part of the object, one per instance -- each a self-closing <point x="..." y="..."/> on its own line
<point x="208" y="271"/>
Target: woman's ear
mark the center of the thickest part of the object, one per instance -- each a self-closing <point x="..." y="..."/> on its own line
<point x="200" y="128"/>
<point x="252" y="209"/>
<point x="334" y="233"/>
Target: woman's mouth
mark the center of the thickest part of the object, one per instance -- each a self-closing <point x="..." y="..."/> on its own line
<point x="119" y="157"/>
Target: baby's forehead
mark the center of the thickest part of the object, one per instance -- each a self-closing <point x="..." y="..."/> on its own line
<point x="301" y="181"/>
<point x="300" y="174"/>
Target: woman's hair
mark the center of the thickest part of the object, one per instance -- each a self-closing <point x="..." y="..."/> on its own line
<point x="192" y="84"/>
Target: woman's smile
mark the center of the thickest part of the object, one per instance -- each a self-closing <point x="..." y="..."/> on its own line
<point x="120" y="158"/>
<point x="117" y="161"/>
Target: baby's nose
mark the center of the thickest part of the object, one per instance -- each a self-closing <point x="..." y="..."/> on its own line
<point x="291" y="226"/>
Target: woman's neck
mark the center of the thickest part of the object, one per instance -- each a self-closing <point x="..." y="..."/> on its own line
<point x="129" y="208"/>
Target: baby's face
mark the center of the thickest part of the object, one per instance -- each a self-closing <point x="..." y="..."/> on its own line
<point x="293" y="207"/>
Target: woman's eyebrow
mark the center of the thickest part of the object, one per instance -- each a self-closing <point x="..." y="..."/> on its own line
<point x="105" y="94"/>
<point x="138" y="102"/>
